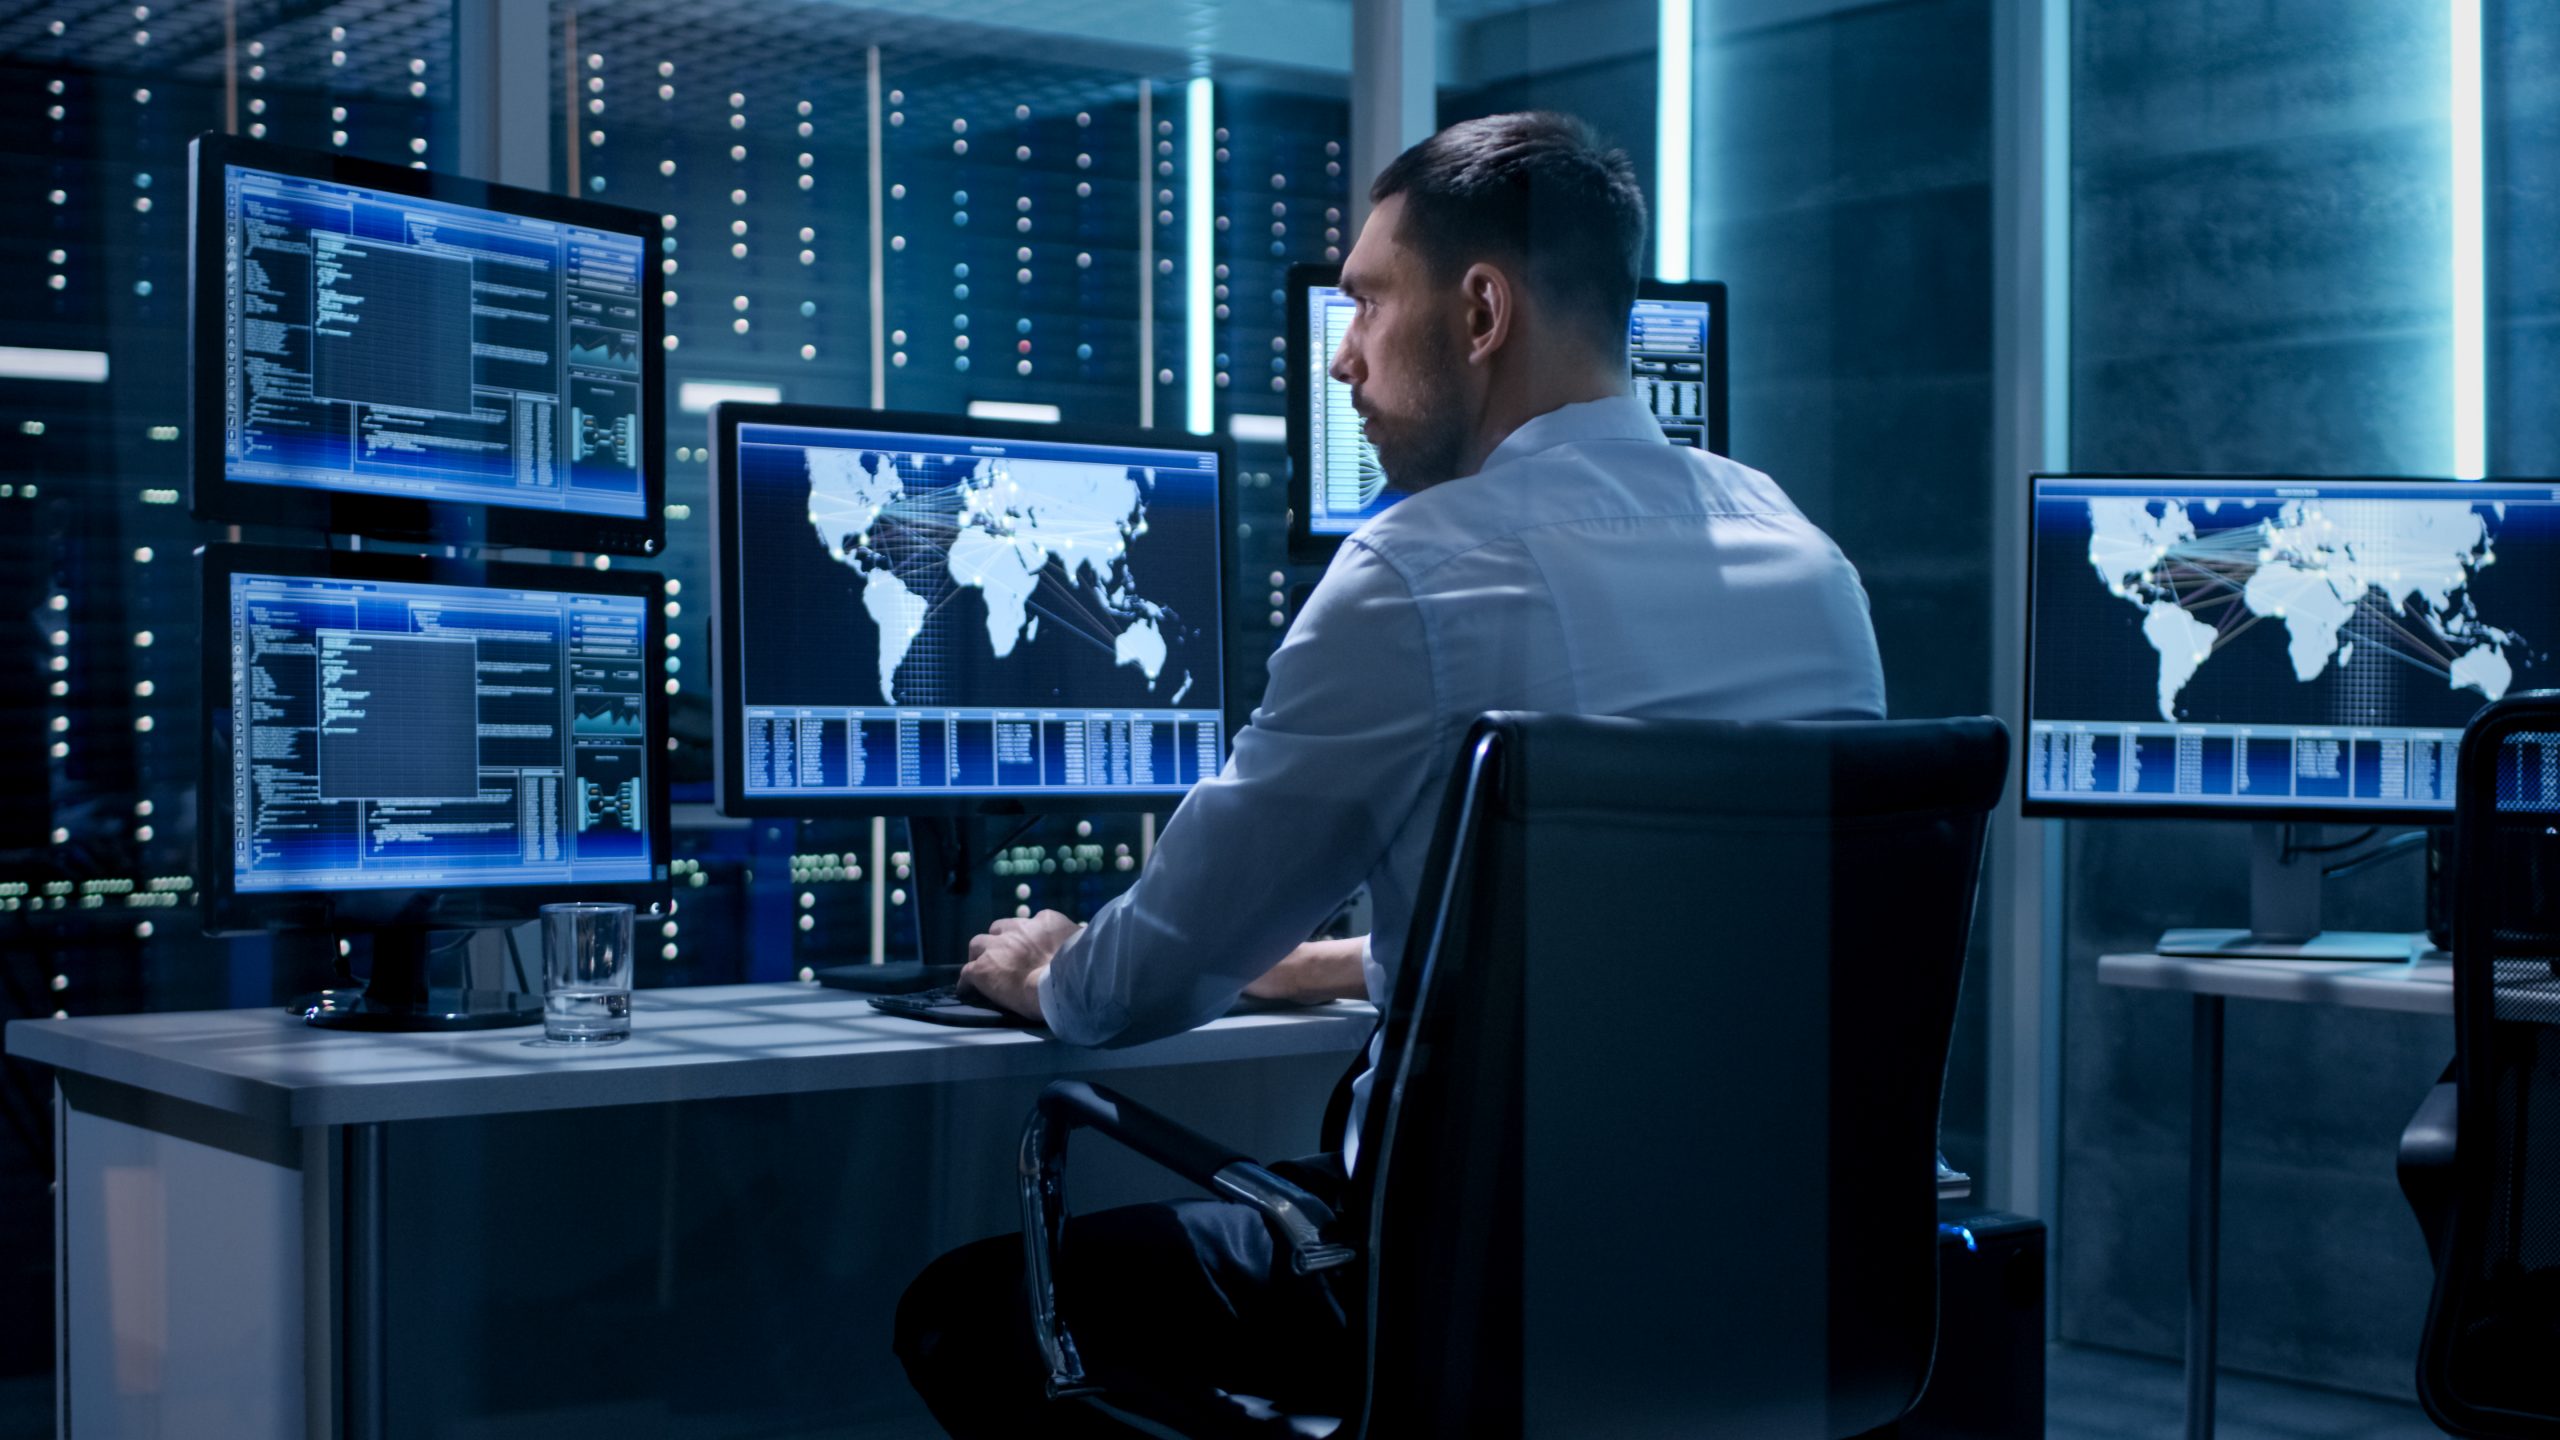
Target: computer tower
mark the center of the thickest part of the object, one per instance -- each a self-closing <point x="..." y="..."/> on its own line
<point x="1988" y="1383"/>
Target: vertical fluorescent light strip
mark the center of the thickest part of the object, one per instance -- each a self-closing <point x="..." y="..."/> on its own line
<point x="231" y="67"/>
<point x="2053" y="444"/>
<point x="1674" y="124"/>
<point x="879" y="295"/>
<point x="1146" y="256"/>
<point x="1199" y="259"/>
<point x="2470" y="284"/>
<point x="879" y="279"/>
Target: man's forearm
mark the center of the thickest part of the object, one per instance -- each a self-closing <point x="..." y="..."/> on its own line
<point x="1318" y="970"/>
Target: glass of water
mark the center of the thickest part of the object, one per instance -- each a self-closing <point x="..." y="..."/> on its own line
<point x="586" y="973"/>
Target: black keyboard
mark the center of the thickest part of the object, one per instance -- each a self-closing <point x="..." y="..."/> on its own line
<point x="945" y="1005"/>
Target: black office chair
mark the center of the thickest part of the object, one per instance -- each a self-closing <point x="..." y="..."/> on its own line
<point x="1651" y="1151"/>
<point x="2480" y="1162"/>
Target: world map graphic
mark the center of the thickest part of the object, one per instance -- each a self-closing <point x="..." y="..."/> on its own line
<point x="2313" y="566"/>
<point x="919" y="541"/>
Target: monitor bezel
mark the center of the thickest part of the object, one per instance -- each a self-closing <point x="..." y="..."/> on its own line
<point x="1308" y="548"/>
<point x="728" y="707"/>
<point x="2048" y="808"/>
<point x="228" y="910"/>
<point x="215" y="496"/>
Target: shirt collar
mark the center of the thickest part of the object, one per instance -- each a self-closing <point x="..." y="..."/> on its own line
<point x="1619" y="417"/>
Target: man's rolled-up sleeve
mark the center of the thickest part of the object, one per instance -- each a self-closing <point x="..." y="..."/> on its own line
<point x="1315" y="790"/>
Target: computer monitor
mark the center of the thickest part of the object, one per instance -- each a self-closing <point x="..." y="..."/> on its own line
<point x="392" y="352"/>
<point x="944" y="617"/>
<point x="397" y="745"/>
<point x="1675" y="362"/>
<point x="928" y="614"/>
<point x="2276" y="648"/>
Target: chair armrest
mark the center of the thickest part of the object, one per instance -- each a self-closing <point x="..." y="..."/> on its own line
<point x="1296" y="1217"/>
<point x="1073" y="1104"/>
<point x="2427" y="1163"/>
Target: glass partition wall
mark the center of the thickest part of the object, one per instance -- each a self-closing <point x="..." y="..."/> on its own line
<point x="1084" y="212"/>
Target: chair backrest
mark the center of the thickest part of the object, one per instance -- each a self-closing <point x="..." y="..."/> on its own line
<point x="1653" y="1141"/>
<point x="2490" y="1362"/>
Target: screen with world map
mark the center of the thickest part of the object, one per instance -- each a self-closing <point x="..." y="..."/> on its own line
<point x="949" y="615"/>
<point x="2279" y="644"/>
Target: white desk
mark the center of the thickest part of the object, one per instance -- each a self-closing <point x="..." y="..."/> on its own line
<point x="2423" y="987"/>
<point x="224" y="1237"/>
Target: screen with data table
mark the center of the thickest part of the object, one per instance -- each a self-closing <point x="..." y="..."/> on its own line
<point x="401" y="347"/>
<point x="1675" y="365"/>
<point x="1667" y="361"/>
<point x="1347" y="485"/>
<point x="2263" y="646"/>
<point x="942" y="613"/>
<point x="390" y="734"/>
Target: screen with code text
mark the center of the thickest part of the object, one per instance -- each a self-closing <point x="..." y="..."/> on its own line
<point x="416" y="735"/>
<point x="385" y="344"/>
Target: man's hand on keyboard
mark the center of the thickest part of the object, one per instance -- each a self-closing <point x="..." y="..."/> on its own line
<point x="1006" y="963"/>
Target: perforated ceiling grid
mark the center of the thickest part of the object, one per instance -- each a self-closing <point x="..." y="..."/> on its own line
<point x="1011" y="260"/>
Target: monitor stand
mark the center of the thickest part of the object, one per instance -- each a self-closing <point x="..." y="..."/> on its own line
<point x="397" y="996"/>
<point x="2284" y="915"/>
<point x="949" y="908"/>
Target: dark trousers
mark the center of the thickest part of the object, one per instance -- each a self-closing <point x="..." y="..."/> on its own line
<point x="1178" y="1299"/>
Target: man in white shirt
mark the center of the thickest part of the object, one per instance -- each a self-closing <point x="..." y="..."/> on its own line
<point x="1555" y="553"/>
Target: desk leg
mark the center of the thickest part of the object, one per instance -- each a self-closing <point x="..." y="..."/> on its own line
<point x="2204" y="1214"/>
<point x="368" y="1415"/>
<point x="180" y="1302"/>
<point x="61" y="1264"/>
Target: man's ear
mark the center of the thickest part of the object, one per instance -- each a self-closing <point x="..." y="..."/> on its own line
<point x="1493" y="311"/>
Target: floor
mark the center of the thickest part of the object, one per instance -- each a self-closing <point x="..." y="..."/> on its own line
<point x="26" y="1406"/>
<point x="2109" y="1395"/>
<point x="2090" y="1395"/>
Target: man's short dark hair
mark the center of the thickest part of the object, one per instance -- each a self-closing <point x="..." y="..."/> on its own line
<point x="1537" y="188"/>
